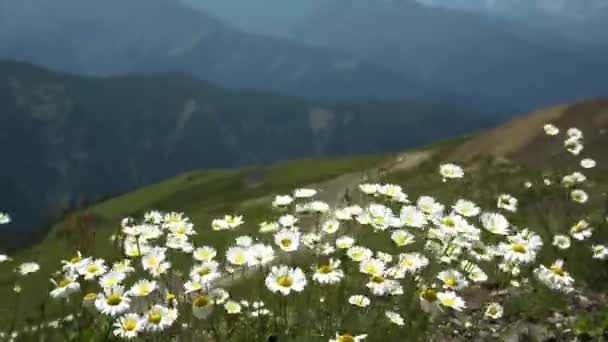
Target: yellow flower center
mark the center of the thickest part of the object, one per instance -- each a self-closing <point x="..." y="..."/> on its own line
<point x="181" y="230"/>
<point x="377" y="280"/>
<point x="429" y="295"/>
<point x="451" y="282"/>
<point x="201" y="301"/>
<point x="114" y="299"/>
<point x="144" y="290"/>
<point x="286" y="243"/>
<point x="152" y="261"/>
<point x="346" y="338"/>
<point x="155" y="317"/>
<point x="90" y="296"/>
<point x="557" y="270"/>
<point x="240" y="259"/>
<point x="285" y="281"/>
<point x="519" y="248"/>
<point x="130" y="325"/>
<point x="65" y="282"/>
<point x="92" y="268"/>
<point x="371" y="269"/>
<point x="448" y="301"/>
<point x="407" y="262"/>
<point x="325" y="269"/>
<point x="205" y="270"/>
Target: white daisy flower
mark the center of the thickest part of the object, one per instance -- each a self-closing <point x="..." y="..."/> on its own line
<point x="412" y="262"/>
<point x="281" y="201"/>
<point x="202" y="306"/>
<point x="113" y="301"/>
<point x="304" y="193"/>
<point x="153" y="259"/>
<point x="288" y="240"/>
<point x="129" y="326"/>
<point x="588" y="163"/>
<point x="65" y="287"/>
<point x="395" y="318"/>
<point x="495" y="223"/>
<point x="159" y="318"/>
<point x="359" y="253"/>
<point x="466" y="208"/>
<point x="348" y="338"/>
<point x="452" y="279"/>
<point x="555" y="277"/>
<point x="429" y="206"/>
<point x="287" y="220"/>
<point x="238" y="256"/>
<point x="261" y="254"/>
<point x="331" y="226"/>
<point x="412" y="217"/>
<point x="451" y="171"/>
<point x="112" y="278"/>
<point x="369" y="189"/>
<point x="402" y="237"/>
<point x="359" y="300"/>
<point x="4" y="218"/>
<point x="142" y="288"/>
<point x="244" y="241"/>
<point x="219" y="224"/>
<point x="561" y="241"/>
<point x="205" y="253"/>
<point x="329" y="273"/>
<point x="575" y="133"/>
<point x="600" y="252"/>
<point x="551" y="129"/>
<point x="451" y="300"/>
<point x="345" y="242"/>
<point x="493" y="311"/>
<point x="28" y="267"/>
<point x="573" y="145"/>
<point x="268" y="227"/>
<point x="4" y="258"/>
<point x="579" y="196"/>
<point x="372" y="266"/>
<point x="519" y="250"/>
<point x="233" y="221"/>
<point x="507" y="202"/>
<point x="581" y="230"/>
<point x="123" y="266"/>
<point x="283" y="279"/>
<point x="232" y="307"/>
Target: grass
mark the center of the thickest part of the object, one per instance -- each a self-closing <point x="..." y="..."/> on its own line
<point x="204" y="195"/>
<point x="201" y="195"/>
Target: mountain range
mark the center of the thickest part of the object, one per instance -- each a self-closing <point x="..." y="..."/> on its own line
<point x="68" y="140"/>
<point x="116" y="37"/>
<point x="332" y="51"/>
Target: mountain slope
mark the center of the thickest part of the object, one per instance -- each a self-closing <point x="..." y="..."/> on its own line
<point x="523" y="140"/>
<point x="115" y="37"/>
<point x="497" y="59"/>
<point x="205" y="195"/>
<point x="72" y="139"/>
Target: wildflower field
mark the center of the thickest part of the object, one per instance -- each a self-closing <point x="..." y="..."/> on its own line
<point x="375" y="248"/>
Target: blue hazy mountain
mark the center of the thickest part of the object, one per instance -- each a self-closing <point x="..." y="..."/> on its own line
<point x="115" y="37"/>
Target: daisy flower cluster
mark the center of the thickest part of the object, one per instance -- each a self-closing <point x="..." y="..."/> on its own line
<point x="310" y="268"/>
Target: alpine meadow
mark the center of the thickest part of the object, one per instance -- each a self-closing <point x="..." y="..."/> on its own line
<point x="303" y="171"/>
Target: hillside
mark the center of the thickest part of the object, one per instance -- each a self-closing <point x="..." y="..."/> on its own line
<point x="489" y="57"/>
<point x="492" y="167"/>
<point x="81" y="139"/>
<point x="523" y="140"/>
<point x="116" y="37"/>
